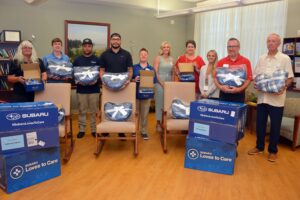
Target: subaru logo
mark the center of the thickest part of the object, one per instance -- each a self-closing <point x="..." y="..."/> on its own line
<point x="16" y="172"/>
<point x="202" y="108"/>
<point x="193" y="154"/>
<point x="13" y="116"/>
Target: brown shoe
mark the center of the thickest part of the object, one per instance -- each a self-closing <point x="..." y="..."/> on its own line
<point x="158" y="128"/>
<point x="254" y="151"/>
<point x="272" y="157"/>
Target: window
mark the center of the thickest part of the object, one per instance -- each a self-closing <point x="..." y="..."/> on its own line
<point x="250" y="24"/>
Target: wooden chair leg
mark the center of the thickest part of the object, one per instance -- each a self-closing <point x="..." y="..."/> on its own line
<point x="99" y="145"/>
<point x="165" y="141"/>
<point x="136" y="152"/>
<point x="295" y="132"/>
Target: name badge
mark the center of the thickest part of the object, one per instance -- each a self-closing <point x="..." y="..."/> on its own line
<point x="205" y="87"/>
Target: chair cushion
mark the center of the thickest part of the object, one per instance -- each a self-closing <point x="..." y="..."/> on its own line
<point x="63" y="71"/>
<point x="116" y="127"/>
<point x="115" y="81"/>
<point x="186" y="77"/>
<point x="118" y="112"/>
<point x="177" y="124"/>
<point x="179" y="109"/>
<point x="234" y="77"/>
<point x="87" y="75"/>
<point x="271" y="83"/>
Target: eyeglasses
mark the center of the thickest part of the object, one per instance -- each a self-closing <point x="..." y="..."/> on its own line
<point x="26" y="47"/>
<point x="115" y="39"/>
<point x="232" y="46"/>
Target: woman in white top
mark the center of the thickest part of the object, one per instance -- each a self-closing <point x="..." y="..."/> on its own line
<point x="207" y="86"/>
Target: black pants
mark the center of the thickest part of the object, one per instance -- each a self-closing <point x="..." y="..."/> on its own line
<point x="237" y="97"/>
<point x="275" y="113"/>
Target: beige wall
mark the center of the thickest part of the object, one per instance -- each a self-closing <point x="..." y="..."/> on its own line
<point x="139" y="28"/>
<point x="293" y="18"/>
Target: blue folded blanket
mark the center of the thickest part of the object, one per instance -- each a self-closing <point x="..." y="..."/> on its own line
<point x="180" y="110"/>
<point x="115" y="81"/>
<point x="118" y="112"/>
<point x="186" y="77"/>
<point x="63" y="70"/>
<point x="232" y="77"/>
<point x="271" y="83"/>
<point x="87" y="75"/>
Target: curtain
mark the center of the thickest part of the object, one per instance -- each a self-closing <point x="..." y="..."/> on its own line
<point x="250" y="24"/>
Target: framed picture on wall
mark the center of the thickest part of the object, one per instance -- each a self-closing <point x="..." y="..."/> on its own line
<point x="76" y="31"/>
<point x="11" y="36"/>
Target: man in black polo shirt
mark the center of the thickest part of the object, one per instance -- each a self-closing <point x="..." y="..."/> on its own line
<point x="87" y="95"/>
<point x="116" y="60"/>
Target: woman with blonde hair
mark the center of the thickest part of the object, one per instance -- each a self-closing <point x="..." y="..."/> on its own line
<point x="26" y="54"/>
<point x="163" y="65"/>
<point x="207" y="86"/>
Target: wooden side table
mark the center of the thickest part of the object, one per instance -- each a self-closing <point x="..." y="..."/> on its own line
<point x="251" y="116"/>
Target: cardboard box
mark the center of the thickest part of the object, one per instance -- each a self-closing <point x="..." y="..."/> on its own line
<point x="23" y="140"/>
<point x="186" y="67"/>
<point x="23" y="169"/>
<point x="146" y="79"/>
<point x="215" y="131"/>
<point x="27" y="116"/>
<point x="222" y="112"/>
<point x="209" y="155"/>
<point x="32" y="71"/>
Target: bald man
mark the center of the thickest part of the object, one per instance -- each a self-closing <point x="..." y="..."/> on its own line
<point x="271" y="104"/>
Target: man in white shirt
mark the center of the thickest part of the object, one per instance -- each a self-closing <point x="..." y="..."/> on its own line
<point x="271" y="104"/>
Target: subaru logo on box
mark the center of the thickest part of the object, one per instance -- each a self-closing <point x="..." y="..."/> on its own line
<point x="16" y="172"/>
<point x="202" y="108"/>
<point x="13" y="116"/>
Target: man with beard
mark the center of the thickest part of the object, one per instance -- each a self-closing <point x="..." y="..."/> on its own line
<point x="87" y="95"/>
<point x="116" y="60"/>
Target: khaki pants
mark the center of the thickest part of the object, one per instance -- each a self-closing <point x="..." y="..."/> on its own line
<point x="87" y="102"/>
<point x="142" y="107"/>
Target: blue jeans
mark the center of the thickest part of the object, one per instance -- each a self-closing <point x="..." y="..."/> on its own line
<point x="275" y="113"/>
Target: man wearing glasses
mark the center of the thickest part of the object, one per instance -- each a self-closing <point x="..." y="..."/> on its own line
<point x="234" y="60"/>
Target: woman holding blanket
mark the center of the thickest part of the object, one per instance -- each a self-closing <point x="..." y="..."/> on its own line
<point x="25" y="54"/>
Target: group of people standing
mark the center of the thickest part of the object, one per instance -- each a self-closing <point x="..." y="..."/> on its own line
<point x="118" y="60"/>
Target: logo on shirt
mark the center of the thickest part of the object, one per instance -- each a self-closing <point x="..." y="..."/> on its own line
<point x="93" y="62"/>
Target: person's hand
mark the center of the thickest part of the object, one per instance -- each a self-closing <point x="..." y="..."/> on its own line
<point x="21" y="79"/>
<point x="55" y="77"/>
<point x="225" y="88"/>
<point x="281" y="91"/>
<point x="137" y="79"/>
<point x="161" y="83"/>
<point x="204" y="96"/>
<point x="234" y="90"/>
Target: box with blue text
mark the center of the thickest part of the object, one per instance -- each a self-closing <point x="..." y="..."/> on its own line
<point x="215" y="131"/>
<point x="12" y="141"/>
<point x="23" y="169"/>
<point x="223" y="112"/>
<point x="27" y="116"/>
<point x="209" y="155"/>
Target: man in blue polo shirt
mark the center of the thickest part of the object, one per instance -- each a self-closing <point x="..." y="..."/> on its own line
<point x="57" y="57"/>
<point x="87" y="95"/>
<point x="116" y="60"/>
<point x="143" y="98"/>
